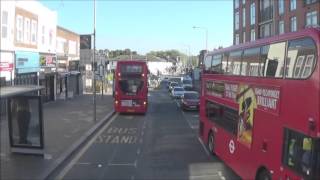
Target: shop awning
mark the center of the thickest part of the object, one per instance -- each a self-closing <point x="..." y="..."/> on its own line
<point x="10" y="91"/>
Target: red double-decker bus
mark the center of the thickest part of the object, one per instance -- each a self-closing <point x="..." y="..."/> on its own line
<point x="260" y="105"/>
<point x="131" y="90"/>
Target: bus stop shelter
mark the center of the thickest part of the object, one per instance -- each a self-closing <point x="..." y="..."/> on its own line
<point x="25" y="118"/>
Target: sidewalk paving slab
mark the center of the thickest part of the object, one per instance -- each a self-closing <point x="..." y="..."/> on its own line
<point x="67" y="125"/>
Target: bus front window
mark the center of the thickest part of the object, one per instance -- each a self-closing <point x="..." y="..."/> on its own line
<point x="131" y="86"/>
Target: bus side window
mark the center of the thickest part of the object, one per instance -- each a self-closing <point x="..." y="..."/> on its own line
<point x="234" y="62"/>
<point x="225" y="63"/>
<point x="300" y="58"/>
<point x="216" y="64"/>
<point x="250" y="62"/>
<point x="274" y="62"/>
<point x="207" y="63"/>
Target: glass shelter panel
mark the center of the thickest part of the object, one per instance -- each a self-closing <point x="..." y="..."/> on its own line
<point x="25" y="121"/>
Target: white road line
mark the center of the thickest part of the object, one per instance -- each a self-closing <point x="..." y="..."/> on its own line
<point x="84" y="163"/>
<point x="122" y="164"/>
<point x="204" y="176"/>
<point x="204" y="147"/>
<point x="132" y="177"/>
<point x="221" y="176"/>
<point x="83" y="150"/>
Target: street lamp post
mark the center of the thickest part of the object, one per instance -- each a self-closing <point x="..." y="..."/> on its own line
<point x="206" y="31"/>
<point x="94" y="59"/>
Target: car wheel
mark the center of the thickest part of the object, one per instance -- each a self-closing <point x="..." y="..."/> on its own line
<point x="211" y="143"/>
<point x="264" y="175"/>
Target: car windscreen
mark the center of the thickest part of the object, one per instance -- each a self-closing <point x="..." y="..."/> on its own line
<point x="191" y="96"/>
<point x="131" y="86"/>
<point x="186" y="82"/>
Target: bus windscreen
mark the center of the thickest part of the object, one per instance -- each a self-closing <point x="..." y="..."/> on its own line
<point x="130" y="86"/>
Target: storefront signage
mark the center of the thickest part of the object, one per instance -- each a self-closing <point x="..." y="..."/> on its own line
<point x="48" y="61"/>
<point x="27" y="62"/>
<point x="85" y="41"/>
<point x="5" y="66"/>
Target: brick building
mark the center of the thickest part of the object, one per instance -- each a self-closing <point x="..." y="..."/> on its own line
<point x="256" y="19"/>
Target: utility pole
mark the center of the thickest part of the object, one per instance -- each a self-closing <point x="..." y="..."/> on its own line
<point x="94" y="60"/>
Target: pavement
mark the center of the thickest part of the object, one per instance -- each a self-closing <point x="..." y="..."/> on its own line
<point x="67" y="125"/>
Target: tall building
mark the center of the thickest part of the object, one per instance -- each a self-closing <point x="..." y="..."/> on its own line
<point x="256" y="19"/>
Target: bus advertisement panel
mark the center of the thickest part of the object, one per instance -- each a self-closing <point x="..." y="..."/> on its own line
<point x="131" y="91"/>
<point x="259" y="106"/>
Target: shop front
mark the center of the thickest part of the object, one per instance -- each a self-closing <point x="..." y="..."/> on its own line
<point x="6" y="68"/>
<point x="74" y="79"/>
<point x="62" y="78"/>
<point x="27" y="68"/>
<point x="48" y="76"/>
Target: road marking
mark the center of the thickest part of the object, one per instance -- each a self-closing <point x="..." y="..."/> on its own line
<point x="121" y="164"/>
<point x="138" y="151"/>
<point x="184" y="117"/>
<point x="84" y="149"/>
<point x="203" y="176"/>
<point x="221" y="176"/>
<point x="204" y="147"/>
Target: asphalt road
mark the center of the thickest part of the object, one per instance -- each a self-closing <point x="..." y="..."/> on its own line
<point x="163" y="144"/>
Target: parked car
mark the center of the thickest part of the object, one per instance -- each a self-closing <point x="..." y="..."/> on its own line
<point x="177" y="92"/>
<point x="190" y="100"/>
<point x="172" y="85"/>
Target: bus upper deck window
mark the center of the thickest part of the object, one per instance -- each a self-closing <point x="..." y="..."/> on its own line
<point x="301" y="58"/>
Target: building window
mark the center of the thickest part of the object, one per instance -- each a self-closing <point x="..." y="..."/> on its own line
<point x="293" y="5"/>
<point x="266" y="30"/>
<point x="311" y="18"/>
<point x="281" y="27"/>
<point x="34" y="32"/>
<point x="253" y="35"/>
<point x="243" y="17"/>
<point x="293" y="24"/>
<point x="19" y="28"/>
<point x="72" y="47"/>
<point x="50" y="36"/>
<point x="236" y="21"/>
<point x="43" y="35"/>
<point x="252" y="14"/>
<point x="266" y="8"/>
<point x="4" y="24"/>
<point x="244" y="36"/>
<point x="27" y="30"/>
<point x="236" y="4"/>
<point x="309" y="1"/>
<point x="243" y="1"/>
<point x="281" y="6"/>
<point x="237" y="39"/>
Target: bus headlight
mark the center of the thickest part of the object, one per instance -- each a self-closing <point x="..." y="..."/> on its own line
<point x="116" y="102"/>
<point x="144" y="102"/>
<point x="142" y="74"/>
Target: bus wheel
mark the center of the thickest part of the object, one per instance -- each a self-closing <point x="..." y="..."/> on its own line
<point x="211" y="143"/>
<point x="264" y="175"/>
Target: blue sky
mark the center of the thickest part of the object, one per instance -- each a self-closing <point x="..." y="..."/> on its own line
<point x="149" y="25"/>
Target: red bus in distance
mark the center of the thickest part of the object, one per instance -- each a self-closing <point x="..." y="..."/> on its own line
<point x="259" y="106"/>
<point x="131" y="91"/>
